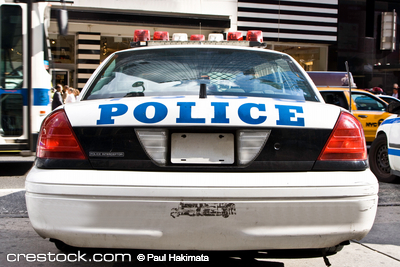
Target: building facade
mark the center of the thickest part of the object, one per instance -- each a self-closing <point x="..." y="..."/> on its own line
<point x="319" y="34"/>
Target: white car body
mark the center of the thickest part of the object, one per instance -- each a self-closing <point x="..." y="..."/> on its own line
<point x="280" y="211"/>
<point x="211" y="204"/>
<point x="391" y="128"/>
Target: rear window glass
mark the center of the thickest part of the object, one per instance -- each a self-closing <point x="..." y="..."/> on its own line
<point x="180" y="71"/>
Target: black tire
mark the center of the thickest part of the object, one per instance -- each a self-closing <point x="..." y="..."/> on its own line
<point x="332" y="250"/>
<point x="62" y="246"/>
<point x="379" y="160"/>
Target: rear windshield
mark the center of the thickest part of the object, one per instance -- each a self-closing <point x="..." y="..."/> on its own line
<point x="181" y="71"/>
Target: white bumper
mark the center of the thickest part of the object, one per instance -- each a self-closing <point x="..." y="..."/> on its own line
<point x="201" y="211"/>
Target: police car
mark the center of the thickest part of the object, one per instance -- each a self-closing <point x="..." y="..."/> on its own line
<point x="384" y="154"/>
<point x="201" y="147"/>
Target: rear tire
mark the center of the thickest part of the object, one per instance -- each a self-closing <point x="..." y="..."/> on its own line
<point x="62" y="246"/>
<point x="379" y="160"/>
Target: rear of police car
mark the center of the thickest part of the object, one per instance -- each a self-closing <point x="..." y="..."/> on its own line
<point x="200" y="147"/>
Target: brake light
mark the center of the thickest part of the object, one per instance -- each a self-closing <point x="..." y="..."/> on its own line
<point x="161" y="36"/>
<point x="57" y="139"/>
<point x="197" y="37"/>
<point x="141" y="35"/>
<point x="255" y="36"/>
<point x="235" y="36"/>
<point x="347" y="141"/>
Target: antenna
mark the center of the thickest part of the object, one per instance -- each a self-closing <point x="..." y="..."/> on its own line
<point x="350" y="82"/>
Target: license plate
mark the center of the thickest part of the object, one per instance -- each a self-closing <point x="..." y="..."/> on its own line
<point x="202" y="148"/>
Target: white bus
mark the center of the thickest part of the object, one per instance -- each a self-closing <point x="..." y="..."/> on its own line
<point x="25" y="79"/>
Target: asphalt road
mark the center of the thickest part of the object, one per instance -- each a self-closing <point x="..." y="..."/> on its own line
<point x="381" y="247"/>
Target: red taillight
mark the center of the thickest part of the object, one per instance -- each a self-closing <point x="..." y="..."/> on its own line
<point x="141" y="35"/>
<point x="347" y="141"/>
<point x="255" y="36"/>
<point x="235" y="36"/>
<point x="57" y="140"/>
<point x="161" y="36"/>
<point x="197" y="37"/>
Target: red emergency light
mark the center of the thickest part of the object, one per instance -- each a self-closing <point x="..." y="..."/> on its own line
<point x="235" y="36"/>
<point x="197" y="37"/>
<point x="141" y="35"/>
<point x="255" y="36"/>
<point x="161" y="36"/>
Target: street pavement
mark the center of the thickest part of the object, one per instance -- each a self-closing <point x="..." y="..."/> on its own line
<point x="381" y="247"/>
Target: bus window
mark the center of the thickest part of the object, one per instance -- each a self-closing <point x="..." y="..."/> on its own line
<point x="11" y="47"/>
<point x="11" y="115"/>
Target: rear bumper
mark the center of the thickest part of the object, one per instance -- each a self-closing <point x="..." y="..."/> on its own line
<point x="201" y="211"/>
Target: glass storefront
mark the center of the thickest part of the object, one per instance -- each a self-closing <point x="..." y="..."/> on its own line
<point x="311" y="58"/>
<point x="63" y="56"/>
<point x="110" y="45"/>
<point x="63" y="48"/>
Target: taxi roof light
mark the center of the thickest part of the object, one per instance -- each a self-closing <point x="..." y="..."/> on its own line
<point x="57" y="140"/>
<point x="346" y="142"/>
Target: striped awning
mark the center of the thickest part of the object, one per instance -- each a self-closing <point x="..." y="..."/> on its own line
<point x="290" y="20"/>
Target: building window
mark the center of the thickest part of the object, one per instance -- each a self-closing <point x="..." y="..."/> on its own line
<point x="110" y="45"/>
<point x="311" y="58"/>
<point x="63" y="48"/>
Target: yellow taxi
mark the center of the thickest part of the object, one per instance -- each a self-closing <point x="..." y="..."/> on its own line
<point x="369" y="109"/>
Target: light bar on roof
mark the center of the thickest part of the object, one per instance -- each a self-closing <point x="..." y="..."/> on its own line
<point x="197" y="37"/>
<point x="255" y="36"/>
<point x="235" y="36"/>
<point x="161" y="36"/>
<point x="216" y="37"/>
<point x="141" y="35"/>
<point x="180" y="37"/>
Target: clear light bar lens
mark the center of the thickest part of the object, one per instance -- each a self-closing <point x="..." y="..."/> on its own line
<point x="154" y="142"/>
<point x="250" y="144"/>
<point x="179" y="37"/>
<point x="216" y="37"/>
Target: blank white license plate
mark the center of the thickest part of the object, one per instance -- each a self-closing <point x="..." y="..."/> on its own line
<point x="202" y="148"/>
